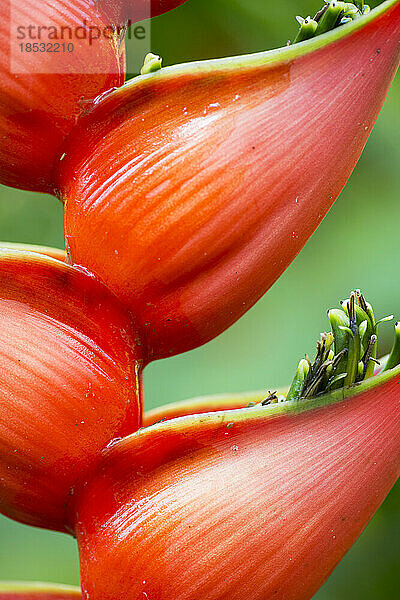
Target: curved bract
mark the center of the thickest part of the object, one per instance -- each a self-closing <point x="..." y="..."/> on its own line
<point x="42" y="93"/>
<point x="120" y="11"/>
<point x="70" y="364"/>
<point x="200" y="183"/>
<point x="252" y="503"/>
<point x="38" y="591"/>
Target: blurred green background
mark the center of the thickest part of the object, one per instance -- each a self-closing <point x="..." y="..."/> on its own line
<point x="356" y="246"/>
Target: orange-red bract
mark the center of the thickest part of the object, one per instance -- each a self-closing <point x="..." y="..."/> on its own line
<point x="44" y="91"/>
<point x="190" y="190"/>
<point x="254" y="503"/>
<point x="120" y="11"/>
<point x="37" y="591"/>
<point x="70" y="365"/>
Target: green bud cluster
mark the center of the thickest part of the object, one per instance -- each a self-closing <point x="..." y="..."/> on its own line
<point x="333" y="14"/>
<point x="346" y="355"/>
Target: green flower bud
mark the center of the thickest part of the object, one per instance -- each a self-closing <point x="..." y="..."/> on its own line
<point x="299" y="379"/>
<point x="394" y="356"/>
<point x="307" y="29"/>
<point x="330" y="18"/>
<point x="340" y="326"/>
<point x="152" y="63"/>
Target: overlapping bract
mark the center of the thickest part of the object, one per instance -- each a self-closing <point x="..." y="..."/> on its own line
<point x="45" y="87"/>
<point x="43" y="93"/>
<point x="189" y="215"/>
<point x="254" y="503"/>
<point x="70" y="364"/>
<point x="121" y="11"/>
<point x="200" y="183"/>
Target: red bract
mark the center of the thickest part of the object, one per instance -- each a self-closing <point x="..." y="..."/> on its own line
<point x="120" y="11"/>
<point x="253" y="503"/>
<point x="190" y="190"/>
<point x="37" y="591"/>
<point x="43" y="93"/>
<point x="70" y="364"/>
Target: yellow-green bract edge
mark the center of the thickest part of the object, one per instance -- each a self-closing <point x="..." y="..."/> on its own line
<point x="259" y="59"/>
<point x="270" y="411"/>
<point x="34" y="587"/>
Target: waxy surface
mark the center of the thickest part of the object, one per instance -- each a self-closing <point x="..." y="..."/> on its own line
<point x="201" y="183"/>
<point x="253" y="503"/>
<point x="121" y="11"/>
<point x="42" y="94"/>
<point x="69" y="382"/>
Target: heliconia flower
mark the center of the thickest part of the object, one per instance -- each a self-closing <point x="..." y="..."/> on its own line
<point x="120" y="11"/>
<point x="70" y="369"/>
<point x="253" y="503"/>
<point x="43" y="91"/>
<point x="37" y="591"/>
<point x="200" y="183"/>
